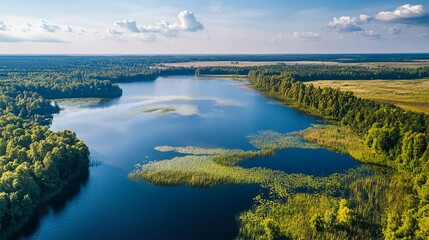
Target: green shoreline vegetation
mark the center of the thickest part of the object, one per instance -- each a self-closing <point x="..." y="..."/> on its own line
<point x="389" y="199"/>
<point x="372" y="132"/>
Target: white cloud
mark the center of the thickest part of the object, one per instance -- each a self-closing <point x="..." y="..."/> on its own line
<point x="39" y="32"/>
<point x="188" y="22"/>
<point x="3" y="26"/>
<point x="67" y="29"/>
<point x="369" y="34"/>
<point x="347" y="23"/>
<point x="11" y="38"/>
<point x="395" y="30"/>
<point x="129" y="25"/>
<point x="48" y="27"/>
<point x="279" y="38"/>
<point x="363" y="18"/>
<point x="408" y="14"/>
<point x="129" y="28"/>
<point x="113" y="31"/>
<point x="295" y="36"/>
<point x="306" y="35"/>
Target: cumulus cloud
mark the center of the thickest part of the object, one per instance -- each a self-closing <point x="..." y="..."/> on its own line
<point x="48" y="27"/>
<point x="187" y="22"/>
<point x="353" y="25"/>
<point x="39" y="32"/>
<point x="348" y="23"/>
<point x="406" y="14"/>
<point x="363" y="18"/>
<point x="129" y="25"/>
<point x="395" y="30"/>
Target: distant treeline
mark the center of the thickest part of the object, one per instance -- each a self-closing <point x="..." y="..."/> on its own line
<point x="21" y="63"/>
<point x="306" y="72"/>
<point x="143" y="74"/>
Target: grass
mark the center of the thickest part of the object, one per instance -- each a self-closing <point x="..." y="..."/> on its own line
<point x="410" y="95"/>
<point x="342" y="139"/>
<point x="296" y="202"/>
<point x="202" y="167"/>
<point x="278" y="141"/>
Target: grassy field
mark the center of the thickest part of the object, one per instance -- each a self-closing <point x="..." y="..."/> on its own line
<point x="408" y="94"/>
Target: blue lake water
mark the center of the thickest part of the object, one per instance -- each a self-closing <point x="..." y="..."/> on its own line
<point x="123" y="132"/>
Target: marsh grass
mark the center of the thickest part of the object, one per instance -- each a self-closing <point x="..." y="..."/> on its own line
<point x="202" y="167"/>
<point x="278" y="141"/>
<point x="298" y="206"/>
<point x="344" y="140"/>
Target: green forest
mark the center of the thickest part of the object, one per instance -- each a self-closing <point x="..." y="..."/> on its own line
<point x="393" y="201"/>
<point x="389" y="203"/>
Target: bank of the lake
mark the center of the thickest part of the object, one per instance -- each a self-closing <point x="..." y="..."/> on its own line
<point x="124" y="132"/>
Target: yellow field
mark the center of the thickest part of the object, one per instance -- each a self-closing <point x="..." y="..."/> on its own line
<point x="407" y="94"/>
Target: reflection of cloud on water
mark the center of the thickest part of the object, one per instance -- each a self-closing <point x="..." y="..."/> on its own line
<point x="180" y="109"/>
<point x="181" y="105"/>
<point x="172" y="98"/>
<point x="275" y="102"/>
<point x="186" y="110"/>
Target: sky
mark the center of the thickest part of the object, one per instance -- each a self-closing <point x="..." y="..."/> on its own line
<point x="213" y="27"/>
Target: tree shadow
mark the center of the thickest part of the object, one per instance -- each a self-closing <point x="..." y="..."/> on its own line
<point x="56" y="204"/>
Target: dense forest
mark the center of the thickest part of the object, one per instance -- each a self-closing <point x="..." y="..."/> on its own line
<point x="300" y="72"/>
<point x="35" y="164"/>
<point x="397" y="198"/>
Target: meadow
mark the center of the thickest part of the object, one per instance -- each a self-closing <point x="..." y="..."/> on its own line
<point x="408" y="94"/>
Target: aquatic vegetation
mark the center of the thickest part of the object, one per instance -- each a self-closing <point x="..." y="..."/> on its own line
<point x="342" y="139"/>
<point x="202" y="167"/>
<point x="158" y="109"/>
<point x="191" y="150"/>
<point x="78" y="102"/>
<point x="180" y="109"/>
<point x="297" y="206"/>
<point x="274" y="140"/>
<point x="197" y="171"/>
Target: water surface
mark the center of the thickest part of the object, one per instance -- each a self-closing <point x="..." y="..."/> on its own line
<point x="123" y="132"/>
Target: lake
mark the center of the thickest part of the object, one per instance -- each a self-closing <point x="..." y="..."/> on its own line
<point x="175" y="111"/>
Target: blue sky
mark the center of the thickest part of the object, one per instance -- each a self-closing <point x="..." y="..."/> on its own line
<point x="202" y="26"/>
